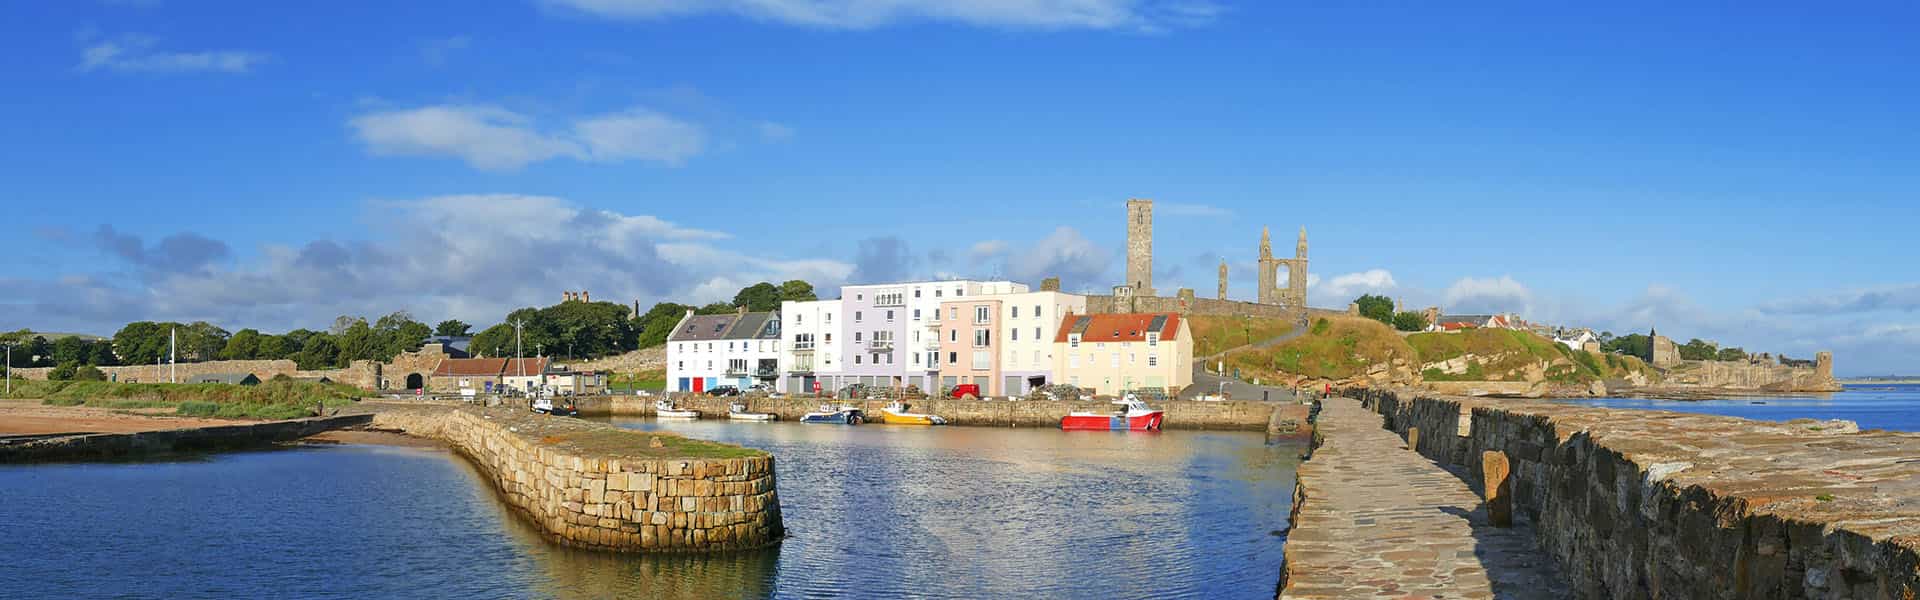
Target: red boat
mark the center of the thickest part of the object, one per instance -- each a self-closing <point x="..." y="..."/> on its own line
<point x="1136" y="417"/>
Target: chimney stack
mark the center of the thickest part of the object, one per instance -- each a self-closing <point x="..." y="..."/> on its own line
<point x="586" y="296"/>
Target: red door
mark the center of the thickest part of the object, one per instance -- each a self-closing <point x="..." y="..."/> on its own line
<point x="699" y="384"/>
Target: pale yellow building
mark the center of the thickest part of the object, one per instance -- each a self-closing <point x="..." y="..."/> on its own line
<point x="1113" y="353"/>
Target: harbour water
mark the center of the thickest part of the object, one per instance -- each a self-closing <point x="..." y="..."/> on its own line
<point x="872" y="511"/>
<point x="1894" y="407"/>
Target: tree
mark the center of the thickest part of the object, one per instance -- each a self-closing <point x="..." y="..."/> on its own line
<point x="795" y="290"/>
<point x="1378" y="308"/>
<point x="1731" y="354"/>
<point x="1698" y="349"/>
<point x="1409" y="321"/>
<point x="658" y="323"/>
<point x="201" y="341"/>
<point x="89" y="373"/>
<point x="398" y="332"/>
<point x="1632" y="344"/>
<point x="356" y="341"/>
<point x="141" y="342"/>
<point x="273" y="347"/>
<point x="717" y="308"/>
<point x="244" y="345"/>
<point x="63" y="372"/>
<point x="759" y="297"/>
<point x="101" y="352"/>
<point x="453" y="328"/>
<point x="70" y="349"/>
<point x="318" y="352"/>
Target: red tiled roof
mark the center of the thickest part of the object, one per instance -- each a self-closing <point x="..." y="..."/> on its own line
<point x="1122" y="327"/>
<point x="535" y="366"/>
<point x="470" y="367"/>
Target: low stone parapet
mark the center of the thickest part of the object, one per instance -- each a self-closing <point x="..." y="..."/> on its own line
<point x="1655" y="504"/>
<point x="1181" y="414"/>
<point x="594" y="485"/>
<point x="110" y="446"/>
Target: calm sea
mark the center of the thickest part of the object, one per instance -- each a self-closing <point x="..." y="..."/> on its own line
<point x="1893" y="407"/>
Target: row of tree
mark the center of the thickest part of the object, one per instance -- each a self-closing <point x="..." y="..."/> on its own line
<point x="572" y="329"/>
<point x="1380" y="308"/>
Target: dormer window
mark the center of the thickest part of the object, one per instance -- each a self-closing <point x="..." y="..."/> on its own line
<point x="1153" y="338"/>
<point x="1073" y="340"/>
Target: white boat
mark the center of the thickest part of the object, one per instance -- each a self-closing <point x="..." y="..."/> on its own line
<point x="738" y="412"/>
<point x="664" y="409"/>
<point x="843" y="414"/>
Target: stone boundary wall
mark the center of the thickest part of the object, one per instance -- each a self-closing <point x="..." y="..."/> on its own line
<point x="1654" y="504"/>
<point x="644" y="359"/>
<point x="109" y="446"/>
<point x="607" y="501"/>
<point x="363" y="373"/>
<point x="1181" y="414"/>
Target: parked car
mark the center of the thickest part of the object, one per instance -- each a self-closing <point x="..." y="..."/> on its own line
<point x="966" y="389"/>
<point x="761" y="388"/>
<point x="723" y="390"/>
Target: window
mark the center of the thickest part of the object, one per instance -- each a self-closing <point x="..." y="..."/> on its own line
<point x="1036" y="359"/>
<point x="1036" y="333"/>
<point x="889" y="315"/>
<point x="1153" y="339"/>
<point x="890" y="299"/>
<point x="936" y="293"/>
<point x="982" y="360"/>
<point x="982" y="314"/>
<point x="957" y="292"/>
<point x="953" y="335"/>
<point x="829" y="338"/>
<point x="1153" y="360"/>
<point x="953" y="358"/>
<point x="1073" y="361"/>
<point x="1036" y="311"/>
<point x="916" y="358"/>
<point x="802" y="341"/>
<point x="982" y="338"/>
<point x="737" y="365"/>
<point x="856" y="316"/>
<point x="1132" y="359"/>
<point x="916" y="292"/>
<point x="1016" y="313"/>
<point x="889" y="356"/>
<point x="1073" y="340"/>
<point x="856" y="359"/>
<point x="883" y="336"/>
<point x="916" y="335"/>
<point x="1013" y="334"/>
<point x="933" y="359"/>
<point x="1116" y="360"/>
<point x="829" y="318"/>
<point x="916" y="314"/>
<point x="859" y="297"/>
<point x="856" y="336"/>
<point x="681" y="365"/>
<point x="797" y="319"/>
<point x="1074" y="381"/>
<point x="953" y="312"/>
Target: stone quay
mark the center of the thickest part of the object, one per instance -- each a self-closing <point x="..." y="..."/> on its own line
<point x="1282" y="420"/>
<point x="593" y="485"/>
<point x="1630" y="503"/>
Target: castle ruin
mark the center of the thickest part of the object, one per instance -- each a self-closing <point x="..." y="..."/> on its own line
<point x="1137" y="293"/>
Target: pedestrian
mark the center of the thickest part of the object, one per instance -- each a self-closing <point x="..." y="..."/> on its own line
<point x="1329" y="392"/>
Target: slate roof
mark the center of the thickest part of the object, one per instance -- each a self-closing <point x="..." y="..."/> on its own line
<point x="233" y="378"/>
<point x="704" y="327"/>
<point x="756" y="326"/>
<point x="1121" y="327"/>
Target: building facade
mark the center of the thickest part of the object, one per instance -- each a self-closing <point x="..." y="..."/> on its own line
<point x="1113" y="353"/>
<point x="810" y="352"/>
<point x="1002" y="342"/>
<point x="740" y="349"/>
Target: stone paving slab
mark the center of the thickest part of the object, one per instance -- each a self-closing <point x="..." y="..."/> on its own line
<point x="1375" y="520"/>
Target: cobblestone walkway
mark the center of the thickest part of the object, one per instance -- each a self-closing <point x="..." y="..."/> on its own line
<point x="1380" y="521"/>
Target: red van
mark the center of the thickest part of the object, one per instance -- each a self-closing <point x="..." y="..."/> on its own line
<point x="965" y="389"/>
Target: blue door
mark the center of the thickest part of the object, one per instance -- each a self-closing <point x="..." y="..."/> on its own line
<point x="685" y="384"/>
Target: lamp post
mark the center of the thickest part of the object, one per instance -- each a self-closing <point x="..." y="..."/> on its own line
<point x="9" y="370"/>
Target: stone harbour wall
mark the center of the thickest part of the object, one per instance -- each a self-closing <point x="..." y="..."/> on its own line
<point x="112" y="446"/>
<point x="1654" y="504"/>
<point x="607" y="499"/>
<point x="1181" y="414"/>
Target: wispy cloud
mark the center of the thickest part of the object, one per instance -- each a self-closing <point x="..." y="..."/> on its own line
<point x="1900" y="298"/>
<point x="137" y="53"/>
<point x="435" y="52"/>
<point x="494" y="138"/>
<point x="1141" y="15"/>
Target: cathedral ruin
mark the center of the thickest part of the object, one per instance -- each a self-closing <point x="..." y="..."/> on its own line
<point x="1137" y="293"/>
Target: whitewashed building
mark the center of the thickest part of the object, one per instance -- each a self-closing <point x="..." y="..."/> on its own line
<point x="738" y="349"/>
<point x="807" y="337"/>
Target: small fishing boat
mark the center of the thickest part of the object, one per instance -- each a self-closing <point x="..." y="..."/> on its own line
<point x="843" y="415"/>
<point x="665" y="409"/>
<point x="738" y="412"/>
<point x="1136" y="416"/>
<point x="896" y="414"/>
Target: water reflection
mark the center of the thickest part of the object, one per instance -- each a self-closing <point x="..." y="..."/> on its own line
<point x="1886" y="406"/>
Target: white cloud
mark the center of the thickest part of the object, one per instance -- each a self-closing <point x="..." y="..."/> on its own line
<point x="469" y="257"/>
<point x="1066" y="254"/>
<point x="1147" y="15"/>
<point x="136" y="53"/>
<point x="775" y="132"/>
<point x="986" y="249"/>
<point x="1488" y="295"/>
<point x="494" y="138"/>
<point x="1902" y="298"/>
<point x="1344" y="288"/>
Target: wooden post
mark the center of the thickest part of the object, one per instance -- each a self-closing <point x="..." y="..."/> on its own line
<point x="1499" y="482"/>
<point x="1413" y="439"/>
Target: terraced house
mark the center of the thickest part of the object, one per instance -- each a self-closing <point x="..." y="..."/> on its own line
<point x="1001" y="342"/>
<point x="738" y="349"/>
<point x="1113" y="353"/>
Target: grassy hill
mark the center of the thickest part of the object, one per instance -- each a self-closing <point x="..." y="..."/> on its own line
<point x="1212" y="334"/>
<point x="1498" y="353"/>
<point x="269" y="400"/>
<point x="1332" y="348"/>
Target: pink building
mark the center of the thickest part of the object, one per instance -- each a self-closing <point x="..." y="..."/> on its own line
<point x="967" y="348"/>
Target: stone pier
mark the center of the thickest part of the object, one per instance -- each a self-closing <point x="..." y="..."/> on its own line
<point x="1374" y="519"/>
<point x="1282" y="419"/>
<point x="1628" y="503"/>
<point x="598" y="486"/>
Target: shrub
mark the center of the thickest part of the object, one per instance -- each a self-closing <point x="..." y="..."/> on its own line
<point x="1409" y="321"/>
<point x="63" y="372"/>
<point x="89" y="373"/>
<point x="1322" y="326"/>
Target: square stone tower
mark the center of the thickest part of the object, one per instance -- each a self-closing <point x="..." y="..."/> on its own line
<point x="1140" y="246"/>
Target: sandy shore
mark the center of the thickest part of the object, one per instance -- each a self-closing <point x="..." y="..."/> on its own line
<point x="32" y="417"/>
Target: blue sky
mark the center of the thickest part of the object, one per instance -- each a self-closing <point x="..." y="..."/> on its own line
<point x="1743" y="172"/>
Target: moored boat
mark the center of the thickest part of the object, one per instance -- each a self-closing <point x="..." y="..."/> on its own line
<point x="842" y="415"/>
<point x="738" y="412"/>
<point x="1136" y="416"/>
<point x="896" y="413"/>
<point x="665" y="409"/>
